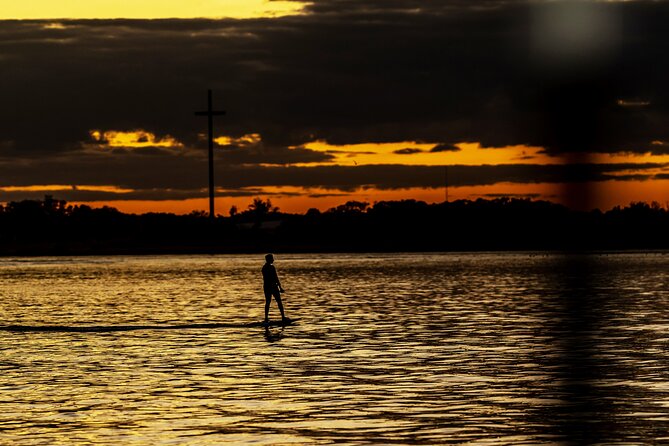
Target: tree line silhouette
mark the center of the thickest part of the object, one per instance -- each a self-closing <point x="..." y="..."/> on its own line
<point x="54" y="227"/>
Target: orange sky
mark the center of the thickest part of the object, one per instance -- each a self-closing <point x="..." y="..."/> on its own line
<point x="607" y="194"/>
<point x="294" y="199"/>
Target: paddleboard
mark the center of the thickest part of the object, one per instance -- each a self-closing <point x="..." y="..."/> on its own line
<point x="121" y="328"/>
<point x="276" y="323"/>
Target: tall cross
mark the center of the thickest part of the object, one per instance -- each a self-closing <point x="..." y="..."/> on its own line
<point x="210" y="113"/>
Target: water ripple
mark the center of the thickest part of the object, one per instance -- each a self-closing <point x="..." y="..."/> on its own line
<point x="401" y="349"/>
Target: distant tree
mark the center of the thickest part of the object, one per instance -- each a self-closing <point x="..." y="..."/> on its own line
<point x="52" y="206"/>
<point x="198" y="214"/>
<point x="52" y="226"/>
<point x="351" y="207"/>
<point x="313" y="212"/>
<point x="262" y="208"/>
<point x="656" y="206"/>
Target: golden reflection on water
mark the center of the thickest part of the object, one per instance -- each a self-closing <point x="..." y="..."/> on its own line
<point x="411" y="348"/>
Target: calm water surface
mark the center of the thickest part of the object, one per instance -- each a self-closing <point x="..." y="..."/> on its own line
<point x="403" y="349"/>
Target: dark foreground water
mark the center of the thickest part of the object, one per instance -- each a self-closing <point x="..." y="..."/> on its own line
<point x="407" y="349"/>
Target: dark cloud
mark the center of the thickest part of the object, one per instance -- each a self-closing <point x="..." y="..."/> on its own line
<point x="346" y="72"/>
<point x="445" y="148"/>
<point x="659" y="148"/>
<point x="375" y="7"/>
<point x="349" y="153"/>
<point x="408" y="151"/>
<point x="144" y="151"/>
<point x="262" y="154"/>
<point x="185" y="176"/>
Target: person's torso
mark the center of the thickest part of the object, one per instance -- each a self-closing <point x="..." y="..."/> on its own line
<point x="269" y="275"/>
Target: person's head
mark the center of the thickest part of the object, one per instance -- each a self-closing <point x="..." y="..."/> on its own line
<point x="269" y="258"/>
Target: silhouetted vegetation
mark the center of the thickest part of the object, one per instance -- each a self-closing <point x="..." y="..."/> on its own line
<point x="53" y="227"/>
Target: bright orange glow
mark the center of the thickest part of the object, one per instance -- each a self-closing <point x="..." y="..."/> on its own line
<point x="470" y="154"/>
<point x="243" y="141"/>
<point x="606" y="195"/>
<point x="133" y="139"/>
<point x="419" y="154"/>
<point x="172" y="206"/>
<point x="146" y="9"/>
<point x="605" y="158"/>
<point x="46" y="188"/>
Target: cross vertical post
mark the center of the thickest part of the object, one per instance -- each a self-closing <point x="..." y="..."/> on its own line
<point x="210" y="113"/>
<point x="446" y="181"/>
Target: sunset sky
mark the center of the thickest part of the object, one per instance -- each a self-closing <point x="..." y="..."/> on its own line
<point x="333" y="100"/>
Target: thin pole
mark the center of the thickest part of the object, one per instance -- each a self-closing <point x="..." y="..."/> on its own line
<point x="210" y="116"/>
<point x="446" y="181"/>
<point x="210" y="113"/>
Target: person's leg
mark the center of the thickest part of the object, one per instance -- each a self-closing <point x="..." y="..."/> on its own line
<point x="277" y="296"/>
<point x="268" y="300"/>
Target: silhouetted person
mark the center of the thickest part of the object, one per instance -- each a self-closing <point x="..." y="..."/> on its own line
<point x="272" y="287"/>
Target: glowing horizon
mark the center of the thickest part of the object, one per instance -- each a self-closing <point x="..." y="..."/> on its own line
<point x="621" y="189"/>
<point x="606" y="194"/>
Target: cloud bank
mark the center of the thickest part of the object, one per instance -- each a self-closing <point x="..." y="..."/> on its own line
<point x="344" y="72"/>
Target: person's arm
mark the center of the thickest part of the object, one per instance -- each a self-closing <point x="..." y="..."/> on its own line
<point x="278" y="282"/>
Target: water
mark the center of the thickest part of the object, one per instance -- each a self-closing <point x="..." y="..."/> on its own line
<point x="402" y="349"/>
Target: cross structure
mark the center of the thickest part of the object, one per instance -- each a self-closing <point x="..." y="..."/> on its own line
<point x="210" y="113"/>
<point x="446" y="181"/>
